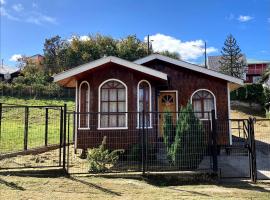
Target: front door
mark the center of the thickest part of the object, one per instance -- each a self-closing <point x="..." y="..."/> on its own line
<point x="167" y="101"/>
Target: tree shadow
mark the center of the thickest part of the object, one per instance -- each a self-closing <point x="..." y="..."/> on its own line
<point x="105" y="190"/>
<point x="11" y="185"/>
<point x="243" y="184"/>
<point x="48" y="173"/>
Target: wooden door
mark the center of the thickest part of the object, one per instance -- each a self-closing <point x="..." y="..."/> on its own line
<point x="167" y="101"/>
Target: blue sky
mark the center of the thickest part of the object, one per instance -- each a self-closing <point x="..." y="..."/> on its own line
<point x="173" y="25"/>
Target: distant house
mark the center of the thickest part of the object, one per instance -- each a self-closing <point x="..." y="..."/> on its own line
<point x="255" y="70"/>
<point x="213" y="62"/>
<point x="110" y="90"/>
<point x="36" y="59"/>
<point x="8" y="73"/>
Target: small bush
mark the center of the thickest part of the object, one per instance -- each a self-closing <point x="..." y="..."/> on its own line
<point x="101" y="159"/>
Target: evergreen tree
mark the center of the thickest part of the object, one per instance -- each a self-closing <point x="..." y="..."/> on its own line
<point x="232" y="62"/>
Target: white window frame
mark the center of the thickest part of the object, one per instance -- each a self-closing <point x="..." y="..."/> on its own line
<point x="138" y="103"/>
<point x="88" y="108"/>
<point x="215" y="104"/>
<point x="99" y="106"/>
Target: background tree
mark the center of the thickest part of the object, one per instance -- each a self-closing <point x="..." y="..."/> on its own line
<point x="131" y="48"/>
<point x="232" y="62"/>
<point x="173" y="55"/>
<point x="51" y="49"/>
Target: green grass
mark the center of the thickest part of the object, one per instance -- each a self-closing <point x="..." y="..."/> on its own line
<point x="13" y="123"/>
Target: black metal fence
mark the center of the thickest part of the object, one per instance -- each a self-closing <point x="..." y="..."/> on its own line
<point x="30" y="136"/>
<point x="146" y="142"/>
<point x="43" y="136"/>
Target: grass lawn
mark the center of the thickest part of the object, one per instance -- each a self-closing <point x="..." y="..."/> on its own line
<point x="12" y="127"/>
<point x="81" y="187"/>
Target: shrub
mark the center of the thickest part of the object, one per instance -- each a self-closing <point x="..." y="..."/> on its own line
<point x="188" y="146"/>
<point x="168" y="133"/>
<point x="251" y="93"/>
<point x="101" y="159"/>
<point x="134" y="153"/>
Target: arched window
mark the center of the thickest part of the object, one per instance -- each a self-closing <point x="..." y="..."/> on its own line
<point x="203" y="101"/>
<point x="144" y="103"/>
<point x="84" y="104"/>
<point x="112" y="104"/>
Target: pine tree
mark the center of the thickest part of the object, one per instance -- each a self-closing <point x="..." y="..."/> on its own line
<point x="232" y="62"/>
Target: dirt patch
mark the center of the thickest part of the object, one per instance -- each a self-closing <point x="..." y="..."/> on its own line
<point x="80" y="187"/>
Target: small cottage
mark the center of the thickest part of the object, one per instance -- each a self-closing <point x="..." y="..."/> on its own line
<point x="110" y="93"/>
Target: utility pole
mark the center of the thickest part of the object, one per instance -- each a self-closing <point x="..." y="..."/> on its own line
<point x="148" y="45"/>
<point x="205" y="56"/>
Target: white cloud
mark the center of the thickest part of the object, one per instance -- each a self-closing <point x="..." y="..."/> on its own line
<point x="4" y="13"/>
<point x="33" y="17"/>
<point x="189" y="50"/>
<point x="39" y="19"/>
<point x="15" y="57"/>
<point x="18" y="7"/>
<point x="82" y="38"/>
<point x="244" y="18"/>
<point x="2" y="2"/>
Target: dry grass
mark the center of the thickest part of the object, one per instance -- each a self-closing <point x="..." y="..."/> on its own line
<point x="20" y="187"/>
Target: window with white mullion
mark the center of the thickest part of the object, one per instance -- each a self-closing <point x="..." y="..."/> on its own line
<point x="113" y="105"/>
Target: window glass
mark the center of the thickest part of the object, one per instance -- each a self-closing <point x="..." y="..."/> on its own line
<point x="113" y="101"/>
<point x="203" y="104"/>
<point x="84" y="105"/>
<point x="144" y="99"/>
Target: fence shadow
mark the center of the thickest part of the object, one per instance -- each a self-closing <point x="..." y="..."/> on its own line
<point x="105" y="190"/>
<point x="46" y="173"/>
<point x="11" y="185"/>
<point x="243" y="184"/>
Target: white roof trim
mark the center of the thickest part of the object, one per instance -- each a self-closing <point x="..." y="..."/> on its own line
<point x="190" y="66"/>
<point x="97" y="63"/>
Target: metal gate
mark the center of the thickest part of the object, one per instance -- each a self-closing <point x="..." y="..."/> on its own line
<point x="261" y="149"/>
<point x="31" y="136"/>
<point x="234" y="160"/>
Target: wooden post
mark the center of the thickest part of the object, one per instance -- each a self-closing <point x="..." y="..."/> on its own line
<point x="214" y="141"/>
<point x="46" y="126"/>
<point x="26" y="127"/>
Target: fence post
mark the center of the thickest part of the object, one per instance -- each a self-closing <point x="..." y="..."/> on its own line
<point x="214" y="141"/>
<point x="68" y="140"/>
<point x="252" y="150"/>
<point x="64" y="134"/>
<point x="61" y="136"/>
<point x="26" y="127"/>
<point x="46" y="126"/>
<point x="1" y="119"/>
<point x="143" y="142"/>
